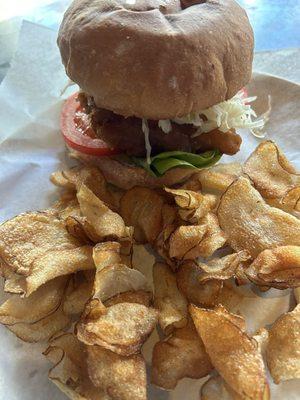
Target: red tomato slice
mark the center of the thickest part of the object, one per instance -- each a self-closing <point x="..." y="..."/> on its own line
<point x="77" y="131"/>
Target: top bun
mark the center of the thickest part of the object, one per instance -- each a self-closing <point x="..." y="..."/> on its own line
<point x="157" y="59"/>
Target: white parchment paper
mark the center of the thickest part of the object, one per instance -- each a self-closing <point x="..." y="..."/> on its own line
<point x="31" y="148"/>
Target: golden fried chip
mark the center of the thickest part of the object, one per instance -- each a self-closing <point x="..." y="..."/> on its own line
<point x="297" y="294"/>
<point x="59" y="179"/>
<point x="283" y="349"/>
<point x="191" y="241"/>
<point x="179" y="356"/>
<point x="192" y="183"/>
<point x="66" y="205"/>
<point x="70" y="372"/>
<point x="66" y="179"/>
<point x="90" y="176"/>
<point x="278" y="267"/>
<point x="291" y="201"/>
<point x="170" y="302"/>
<point x="76" y="228"/>
<point x="223" y="268"/>
<point x="250" y="224"/>
<point x="232" y="352"/>
<point x="188" y="283"/>
<point x="42" y="303"/>
<point x="106" y="253"/>
<point x="138" y="296"/>
<point x="43" y="329"/>
<point x="122" y="328"/>
<point x="193" y="206"/>
<point x="58" y="263"/>
<point x="142" y="209"/>
<point x="14" y="283"/>
<point x="169" y="215"/>
<point x="261" y="337"/>
<point x="229" y="297"/>
<point x="104" y="222"/>
<point x="28" y="237"/>
<point x="219" y="177"/>
<point x="79" y="291"/>
<point x="120" y="377"/>
<point x="116" y="279"/>
<point x="271" y="173"/>
<point x="38" y="247"/>
<point x="215" y="389"/>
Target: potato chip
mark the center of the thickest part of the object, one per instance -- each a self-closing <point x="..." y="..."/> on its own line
<point x="66" y="205"/>
<point x="232" y="352"/>
<point x="169" y="215"/>
<point x="79" y="291"/>
<point x="229" y="296"/>
<point x="122" y="328"/>
<point x="43" y="329"/>
<point x="193" y="206"/>
<point x="106" y="253"/>
<point x="188" y="283"/>
<point x="219" y="177"/>
<point x="14" y="283"/>
<point x="191" y="241"/>
<point x="138" y="296"/>
<point x="223" y="268"/>
<point x="90" y="176"/>
<point x="38" y="247"/>
<point x="69" y="372"/>
<point x="291" y="200"/>
<point x="142" y="209"/>
<point x="120" y="377"/>
<point x="67" y="179"/>
<point x="116" y="279"/>
<point x="30" y="236"/>
<point x="271" y="173"/>
<point x="162" y="245"/>
<point x="105" y="223"/>
<point x="283" y="349"/>
<point x="278" y="267"/>
<point x="192" y="183"/>
<point x="251" y="224"/>
<point x="59" y="179"/>
<point x="261" y="337"/>
<point x="297" y="294"/>
<point x="109" y="253"/>
<point x="179" y="356"/>
<point x="170" y="302"/>
<point x="57" y="263"/>
<point x="76" y="227"/>
<point x="42" y="303"/>
<point x="214" y="389"/>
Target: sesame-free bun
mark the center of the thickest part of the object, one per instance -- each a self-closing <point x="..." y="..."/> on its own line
<point x="126" y="176"/>
<point x="157" y="59"/>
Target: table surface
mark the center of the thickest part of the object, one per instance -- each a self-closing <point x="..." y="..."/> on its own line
<point x="276" y="25"/>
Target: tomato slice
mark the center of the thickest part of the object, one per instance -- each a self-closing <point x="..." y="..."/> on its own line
<point x="77" y="131"/>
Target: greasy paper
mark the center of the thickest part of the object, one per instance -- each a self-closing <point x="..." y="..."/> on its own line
<point x="31" y="148"/>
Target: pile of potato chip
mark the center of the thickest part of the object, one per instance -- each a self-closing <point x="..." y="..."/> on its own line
<point x="73" y="281"/>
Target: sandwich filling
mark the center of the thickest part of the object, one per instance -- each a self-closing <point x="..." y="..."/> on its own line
<point x="195" y="140"/>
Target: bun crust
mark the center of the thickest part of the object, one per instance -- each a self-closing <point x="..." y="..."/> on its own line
<point x="125" y="176"/>
<point x="157" y="59"/>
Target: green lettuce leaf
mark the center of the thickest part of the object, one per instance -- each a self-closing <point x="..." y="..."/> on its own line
<point x="162" y="162"/>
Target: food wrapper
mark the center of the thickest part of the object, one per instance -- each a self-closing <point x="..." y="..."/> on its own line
<point x="31" y="148"/>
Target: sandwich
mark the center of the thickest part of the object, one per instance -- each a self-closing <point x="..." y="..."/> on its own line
<point x="161" y="86"/>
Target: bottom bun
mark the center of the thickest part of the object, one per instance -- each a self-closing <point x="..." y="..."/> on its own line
<point x="126" y="176"/>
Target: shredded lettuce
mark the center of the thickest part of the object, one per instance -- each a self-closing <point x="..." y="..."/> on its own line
<point x="163" y="162"/>
<point x="233" y="113"/>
